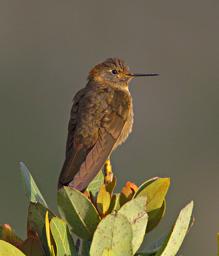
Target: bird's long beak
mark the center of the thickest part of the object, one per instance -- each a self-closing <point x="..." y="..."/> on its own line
<point x="137" y="75"/>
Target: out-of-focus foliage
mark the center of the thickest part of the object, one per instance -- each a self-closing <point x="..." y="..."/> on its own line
<point x="98" y="222"/>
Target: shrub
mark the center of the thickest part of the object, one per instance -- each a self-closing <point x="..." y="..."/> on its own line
<point x="98" y="222"/>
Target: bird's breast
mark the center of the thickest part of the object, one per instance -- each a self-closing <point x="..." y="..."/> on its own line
<point x="127" y="127"/>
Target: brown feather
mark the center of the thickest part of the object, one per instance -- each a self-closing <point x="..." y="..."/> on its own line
<point x="100" y="117"/>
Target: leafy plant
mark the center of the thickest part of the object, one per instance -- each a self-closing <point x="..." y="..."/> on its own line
<point x="98" y="222"/>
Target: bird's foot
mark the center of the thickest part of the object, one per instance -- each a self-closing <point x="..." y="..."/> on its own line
<point x="108" y="173"/>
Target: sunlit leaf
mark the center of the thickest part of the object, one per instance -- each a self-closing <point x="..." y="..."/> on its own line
<point x="114" y="235"/>
<point x="178" y="233"/>
<point x="144" y="185"/>
<point x="135" y="212"/>
<point x="48" y="235"/>
<point x="78" y="211"/>
<point x="7" y="249"/>
<point x="64" y="242"/>
<point x="144" y="254"/>
<point x="103" y="200"/>
<point x="108" y="252"/>
<point x="155" y="192"/>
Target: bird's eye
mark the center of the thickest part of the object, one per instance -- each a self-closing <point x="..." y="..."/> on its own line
<point x="114" y="72"/>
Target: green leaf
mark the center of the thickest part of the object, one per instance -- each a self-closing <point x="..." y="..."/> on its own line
<point x="155" y="191"/>
<point x="30" y="187"/>
<point x="155" y="216"/>
<point x="50" y="241"/>
<point x="110" y="186"/>
<point x="144" y="185"/>
<point x="36" y="222"/>
<point x="85" y="248"/>
<point x="155" y="245"/>
<point x="108" y="252"/>
<point x="103" y="200"/>
<point x="178" y="233"/>
<point x="135" y="212"/>
<point x="64" y="243"/>
<point x="144" y="254"/>
<point x="95" y="184"/>
<point x="7" y="249"/>
<point x="113" y="234"/>
<point x="115" y="203"/>
<point x="78" y="211"/>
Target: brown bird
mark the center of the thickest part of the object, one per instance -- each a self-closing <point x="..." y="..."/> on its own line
<point x="101" y="119"/>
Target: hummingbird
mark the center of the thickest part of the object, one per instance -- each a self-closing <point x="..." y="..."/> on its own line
<point x="101" y="119"/>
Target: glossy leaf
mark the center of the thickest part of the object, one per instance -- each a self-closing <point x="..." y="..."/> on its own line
<point x="78" y="211"/>
<point x="114" y="235"/>
<point x="135" y="212"/>
<point x="178" y="233"/>
<point x="49" y="236"/>
<point x="103" y="200"/>
<point x="64" y="242"/>
<point x="7" y="249"/>
<point x="33" y="193"/>
<point x="144" y="185"/>
<point x="155" y="192"/>
<point x="95" y="184"/>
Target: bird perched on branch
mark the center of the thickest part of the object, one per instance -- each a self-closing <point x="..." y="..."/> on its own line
<point x="101" y="119"/>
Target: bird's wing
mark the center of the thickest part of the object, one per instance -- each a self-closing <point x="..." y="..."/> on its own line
<point x="99" y="124"/>
<point x="73" y="119"/>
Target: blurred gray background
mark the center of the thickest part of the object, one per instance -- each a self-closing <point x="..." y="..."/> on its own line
<point x="46" y="51"/>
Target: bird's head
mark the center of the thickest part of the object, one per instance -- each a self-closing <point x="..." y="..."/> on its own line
<point x="114" y="72"/>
